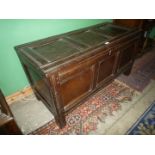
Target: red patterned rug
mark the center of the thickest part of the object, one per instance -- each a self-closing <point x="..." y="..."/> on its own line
<point x="87" y="118"/>
<point x="142" y="72"/>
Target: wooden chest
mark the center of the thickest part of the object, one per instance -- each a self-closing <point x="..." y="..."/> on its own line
<point x="64" y="70"/>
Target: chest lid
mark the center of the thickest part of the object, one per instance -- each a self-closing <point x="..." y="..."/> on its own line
<point x="58" y="48"/>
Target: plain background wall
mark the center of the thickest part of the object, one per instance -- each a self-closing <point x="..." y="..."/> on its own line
<point x="16" y="32"/>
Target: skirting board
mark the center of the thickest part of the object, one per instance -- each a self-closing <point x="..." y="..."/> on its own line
<point x="18" y="95"/>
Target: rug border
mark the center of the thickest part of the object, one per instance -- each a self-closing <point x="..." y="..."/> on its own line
<point x="139" y="119"/>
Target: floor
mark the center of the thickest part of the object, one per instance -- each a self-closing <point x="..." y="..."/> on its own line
<point x="31" y="114"/>
<point x="130" y="115"/>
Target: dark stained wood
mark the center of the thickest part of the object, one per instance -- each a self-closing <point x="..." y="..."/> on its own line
<point x="145" y="25"/>
<point x="76" y="85"/>
<point x="8" y="125"/>
<point x="129" y="22"/>
<point x="106" y="67"/>
<point x="66" y="69"/>
<point x="126" y="55"/>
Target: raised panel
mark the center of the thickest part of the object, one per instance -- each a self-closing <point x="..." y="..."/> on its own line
<point x="76" y="86"/>
<point x="106" y="67"/>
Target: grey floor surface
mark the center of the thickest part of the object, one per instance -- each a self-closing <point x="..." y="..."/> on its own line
<point x="30" y="114"/>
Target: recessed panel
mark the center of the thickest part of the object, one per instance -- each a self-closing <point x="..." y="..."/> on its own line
<point x="88" y="38"/>
<point x="55" y="50"/>
<point x="106" y="68"/>
<point x="111" y="31"/>
<point x="126" y="55"/>
<point x="76" y="86"/>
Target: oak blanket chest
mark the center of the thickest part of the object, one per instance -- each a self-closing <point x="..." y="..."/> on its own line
<point x="64" y="70"/>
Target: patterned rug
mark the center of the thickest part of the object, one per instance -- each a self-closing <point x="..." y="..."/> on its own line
<point x="90" y="116"/>
<point x="145" y="125"/>
<point x="143" y="71"/>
